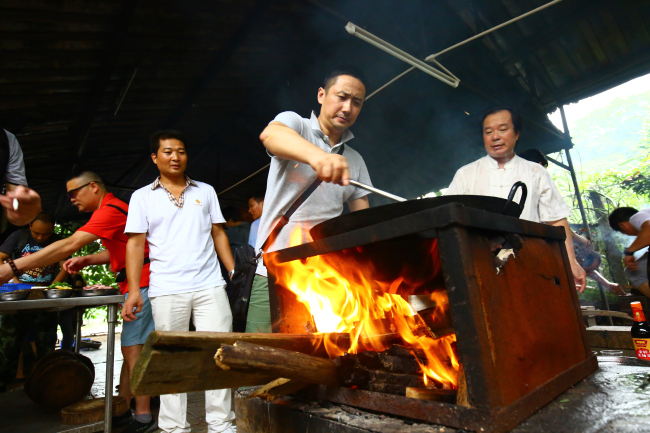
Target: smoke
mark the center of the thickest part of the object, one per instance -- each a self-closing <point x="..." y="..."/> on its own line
<point x="415" y="133"/>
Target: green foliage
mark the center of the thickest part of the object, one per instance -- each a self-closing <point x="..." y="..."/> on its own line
<point x="618" y="187"/>
<point x="621" y="179"/>
<point x="638" y="180"/>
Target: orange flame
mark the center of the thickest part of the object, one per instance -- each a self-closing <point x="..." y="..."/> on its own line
<point x="342" y="297"/>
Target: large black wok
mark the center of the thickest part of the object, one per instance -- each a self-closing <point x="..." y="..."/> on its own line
<point x="374" y="215"/>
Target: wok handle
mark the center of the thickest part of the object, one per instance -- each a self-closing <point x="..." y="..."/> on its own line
<point x="513" y="191"/>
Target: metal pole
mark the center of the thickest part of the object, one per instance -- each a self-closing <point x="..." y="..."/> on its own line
<point x="77" y="333"/>
<point x="573" y="174"/>
<point x="492" y="29"/>
<point x="443" y="75"/>
<point x="108" y="386"/>
<point x="432" y="57"/>
<point x="605" y="301"/>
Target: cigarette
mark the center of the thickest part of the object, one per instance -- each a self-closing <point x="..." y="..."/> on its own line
<point x="15" y="203"/>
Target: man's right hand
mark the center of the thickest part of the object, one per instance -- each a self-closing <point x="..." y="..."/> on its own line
<point x="132" y="306"/>
<point x="331" y="167"/>
<point x="630" y="263"/>
<point x="74" y="265"/>
<point x="27" y="200"/>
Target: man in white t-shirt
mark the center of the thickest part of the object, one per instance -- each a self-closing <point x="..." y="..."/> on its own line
<point x="495" y="173"/>
<point x="181" y="220"/>
<point x="636" y="223"/>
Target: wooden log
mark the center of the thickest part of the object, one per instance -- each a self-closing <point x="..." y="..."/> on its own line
<point x="436" y="322"/>
<point x="173" y="362"/>
<point x="278" y="362"/>
<point x="87" y="411"/>
<point x="462" y="396"/>
<point x="363" y="378"/>
<point x="387" y="388"/>
<point x="304" y="343"/>
<point x="277" y="388"/>
<point x="397" y="359"/>
<point x="432" y="394"/>
<point x="410" y="380"/>
<point x="443" y="332"/>
<point x="399" y="364"/>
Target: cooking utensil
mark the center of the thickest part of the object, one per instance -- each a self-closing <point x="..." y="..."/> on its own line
<point x="16" y="295"/>
<point x="374" y="215"/>
<point x="99" y="292"/>
<point x="376" y="190"/>
<point x="58" y="293"/>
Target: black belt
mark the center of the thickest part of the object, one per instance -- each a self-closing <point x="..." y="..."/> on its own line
<point x="121" y="275"/>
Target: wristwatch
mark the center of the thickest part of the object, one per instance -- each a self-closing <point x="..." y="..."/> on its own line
<point x="628" y="252"/>
<point x="231" y="274"/>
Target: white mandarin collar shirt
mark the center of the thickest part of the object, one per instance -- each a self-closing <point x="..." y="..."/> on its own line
<point x="484" y="177"/>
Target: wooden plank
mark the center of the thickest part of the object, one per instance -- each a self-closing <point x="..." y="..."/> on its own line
<point x="609" y="337"/>
<point x="174" y="362"/>
<point x="159" y="372"/>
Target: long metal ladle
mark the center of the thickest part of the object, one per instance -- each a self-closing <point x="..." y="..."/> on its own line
<point x="376" y="191"/>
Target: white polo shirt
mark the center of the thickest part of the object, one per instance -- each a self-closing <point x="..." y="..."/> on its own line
<point x="181" y="249"/>
<point x="288" y="179"/>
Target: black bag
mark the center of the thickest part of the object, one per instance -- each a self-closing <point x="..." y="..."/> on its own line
<point x="239" y="287"/>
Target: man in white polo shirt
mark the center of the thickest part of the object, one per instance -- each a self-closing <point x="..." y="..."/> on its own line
<point x="181" y="220"/>
<point x="302" y="150"/>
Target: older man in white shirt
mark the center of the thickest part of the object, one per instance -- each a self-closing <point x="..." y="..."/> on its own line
<point x="495" y="173"/>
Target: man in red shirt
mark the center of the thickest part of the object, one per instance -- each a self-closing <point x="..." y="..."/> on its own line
<point x="88" y="193"/>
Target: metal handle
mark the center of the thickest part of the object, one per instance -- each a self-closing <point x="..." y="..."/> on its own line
<point x="376" y="191"/>
<point x="522" y="200"/>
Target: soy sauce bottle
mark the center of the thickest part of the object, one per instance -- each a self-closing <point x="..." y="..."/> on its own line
<point x="640" y="332"/>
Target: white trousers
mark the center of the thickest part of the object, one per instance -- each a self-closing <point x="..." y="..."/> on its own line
<point x="211" y="312"/>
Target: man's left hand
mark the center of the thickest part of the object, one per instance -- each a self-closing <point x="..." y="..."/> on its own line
<point x="579" y="277"/>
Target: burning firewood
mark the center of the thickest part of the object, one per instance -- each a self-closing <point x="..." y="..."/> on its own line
<point x="432" y="394"/>
<point x="462" y="396"/>
<point x="391" y="371"/>
<point x="278" y="362"/>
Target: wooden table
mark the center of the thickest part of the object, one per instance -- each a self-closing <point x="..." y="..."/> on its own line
<point x="79" y="303"/>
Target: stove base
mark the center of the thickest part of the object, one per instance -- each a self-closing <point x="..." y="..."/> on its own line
<point x="293" y="415"/>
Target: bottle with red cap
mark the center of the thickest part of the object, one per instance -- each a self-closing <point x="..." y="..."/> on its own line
<point x="640" y="332"/>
